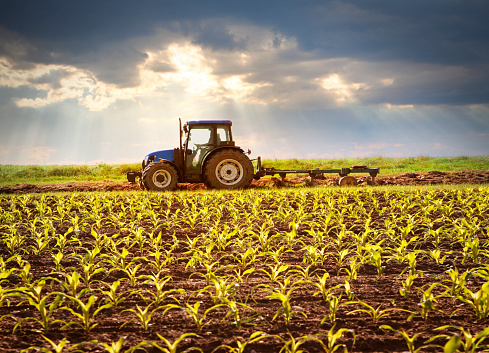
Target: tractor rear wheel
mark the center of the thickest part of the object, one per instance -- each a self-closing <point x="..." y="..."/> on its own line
<point x="228" y="169"/>
<point x="160" y="176"/>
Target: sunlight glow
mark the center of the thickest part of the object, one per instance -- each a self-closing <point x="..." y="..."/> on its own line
<point x="344" y="92"/>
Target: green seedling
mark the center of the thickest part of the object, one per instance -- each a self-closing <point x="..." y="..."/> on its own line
<point x="330" y="346"/>
<point x="241" y="346"/>
<point x="85" y="315"/>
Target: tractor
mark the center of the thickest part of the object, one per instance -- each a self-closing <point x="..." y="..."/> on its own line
<point x="209" y="155"/>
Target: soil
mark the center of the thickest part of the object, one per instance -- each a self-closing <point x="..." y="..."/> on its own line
<point x="430" y="178"/>
<point x="219" y="330"/>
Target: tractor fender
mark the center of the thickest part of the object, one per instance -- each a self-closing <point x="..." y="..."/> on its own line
<point x="210" y="153"/>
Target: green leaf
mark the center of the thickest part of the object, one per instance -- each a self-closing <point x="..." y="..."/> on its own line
<point x="452" y="344"/>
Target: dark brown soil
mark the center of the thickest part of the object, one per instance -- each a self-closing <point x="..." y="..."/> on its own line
<point x="430" y="178"/>
<point x="218" y="330"/>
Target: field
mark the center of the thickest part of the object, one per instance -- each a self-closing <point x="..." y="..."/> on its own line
<point x="367" y="269"/>
<point x="48" y="174"/>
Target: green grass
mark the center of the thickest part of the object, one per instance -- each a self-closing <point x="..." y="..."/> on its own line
<point x="36" y="174"/>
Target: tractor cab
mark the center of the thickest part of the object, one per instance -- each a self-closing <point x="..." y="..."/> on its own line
<point x="201" y="138"/>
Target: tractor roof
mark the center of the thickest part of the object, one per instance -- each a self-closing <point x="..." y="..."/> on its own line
<point x="206" y="122"/>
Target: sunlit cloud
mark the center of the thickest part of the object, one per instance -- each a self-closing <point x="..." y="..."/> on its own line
<point x="439" y="146"/>
<point x="383" y="145"/>
<point x="147" y="120"/>
<point x="343" y="91"/>
<point x="4" y="150"/>
<point x="398" y="106"/>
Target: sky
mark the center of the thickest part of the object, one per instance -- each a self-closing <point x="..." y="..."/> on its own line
<point x="87" y="82"/>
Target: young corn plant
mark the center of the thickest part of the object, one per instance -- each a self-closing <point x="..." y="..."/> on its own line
<point x="349" y="293"/>
<point x="172" y="347"/>
<point x="428" y="301"/>
<point x="131" y="272"/>
<point x="241" y="277"/>
<point x="411" y="257"/>
<point x="222" y="290"/>
<point x="193" y="312"/>
<point x="57" y="261"/>
<point x="304" y="273"/>
<point x="143" y="314"/>
<point x="477" y="301"/>
<point x="457" y="282"/>
<point x="116" y="347"/>
<point x="328" y="343"/>
<point x="375" y="313"/>
<point x="286" y="308"/>
<point x="407" y="284"/>
<point x="71" y="283"/>
<point x="59" y="347"/>
<point x="333" y="304"/>
<point x="293" y="345"/>
<point x="89" y="272"/>
<point x="470" y="343"/>
<point x="84" y="314"/>
<point x="6" y="294"/>
<point x="241" y="346"/>
<point x="376" y="260"/>
<point x="276" y="272"/>
<point x="436" y="255"/>
<point x="159" y="295"/>
<point x="352" y="271"/>
<point x="314" y="255"/>
<point x="248" y="257"/>
<point x="323" y="287"/>
<point x="42" y="306"/>
<point x="239" y="318"/>
<point x="409" y="340"/>
<point x="111" y="295"/>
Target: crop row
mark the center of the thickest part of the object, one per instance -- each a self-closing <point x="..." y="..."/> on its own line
<point x="280" y="269"/>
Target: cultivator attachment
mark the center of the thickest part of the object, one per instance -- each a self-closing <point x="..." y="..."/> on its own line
<point x="346" y="179"/>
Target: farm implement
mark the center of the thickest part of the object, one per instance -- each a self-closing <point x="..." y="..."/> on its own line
<point x="345" y="180"/>
<point x="209" y="155"/>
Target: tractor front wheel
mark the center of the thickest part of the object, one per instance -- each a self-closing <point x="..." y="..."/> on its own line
<point x="160" y="176"/>
<point x="228" y="169"/>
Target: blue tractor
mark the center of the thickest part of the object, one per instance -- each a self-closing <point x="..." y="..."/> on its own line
<point x="207" y="155"/>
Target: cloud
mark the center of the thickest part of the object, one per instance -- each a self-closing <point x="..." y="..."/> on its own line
<point x="344" y="91"/>
<point x="25" y="154"/>
<point x="439" y="146"/>
<point x="226" y="60"/>
<point x="147" y="120"/>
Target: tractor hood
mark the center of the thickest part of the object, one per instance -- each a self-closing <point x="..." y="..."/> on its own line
<point x="157" y="156"/>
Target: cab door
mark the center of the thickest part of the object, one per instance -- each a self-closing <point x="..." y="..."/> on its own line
<point x="200" y="140"/>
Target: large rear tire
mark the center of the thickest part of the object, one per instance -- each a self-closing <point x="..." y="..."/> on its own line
<point x="228" y="169"/>
<point x="160" y="176"/>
